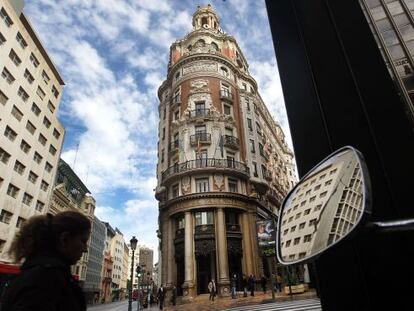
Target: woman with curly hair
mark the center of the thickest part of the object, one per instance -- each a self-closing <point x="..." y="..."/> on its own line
<point x="48" y="245"/>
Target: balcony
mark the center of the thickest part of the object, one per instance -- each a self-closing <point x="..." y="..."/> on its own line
<point x="226" y="95"/>
<point x="206" y="164"/>
<point x="201" y="138"/>
<point x="173" y="146"/>
<point x="199" y="113"/>
<point x="176" y="99"/>
<point x="231" y="142"/>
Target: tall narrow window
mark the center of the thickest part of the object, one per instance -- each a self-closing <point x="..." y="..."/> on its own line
<point x="20" y="39"/>
<point x="55" y="92"/>
<point x="9" y="133"/>
<point x="7" y="76"/>
<point x="28" y="76"/>
<point x="40" y="92"/>
<point x="14" y="58"/>
<point x="35" y="109"/>
<point x="50" y="106"/>
<point x="232" y="185"/>
<point x="34" y="60"/>
<point x="22" y="94"/>
<point x="5" y="17"/>
<point x="204" y="218"/>
<point x="249" y="125"/>
<point x="12" y="191"/>
<point x="5" y="216"/>
<point x="3" y="98"/>
<point x="202" y="185"/>
<point x="17" y="113"/>
<point x="4" y="156"/>
<point x="45" y="77"/>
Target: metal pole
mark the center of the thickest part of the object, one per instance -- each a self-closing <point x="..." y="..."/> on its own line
<point x="132" y="282"/>
<point x="269" y="261"/>
<point x="139" y="296"/>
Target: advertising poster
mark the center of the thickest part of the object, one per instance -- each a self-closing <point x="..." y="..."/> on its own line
<point x="266" y="237"/>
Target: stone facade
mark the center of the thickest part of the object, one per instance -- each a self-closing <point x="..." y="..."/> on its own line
<point x="223" y="162"/>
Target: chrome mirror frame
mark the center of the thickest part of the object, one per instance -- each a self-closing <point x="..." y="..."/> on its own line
<point x="362" y="219"/>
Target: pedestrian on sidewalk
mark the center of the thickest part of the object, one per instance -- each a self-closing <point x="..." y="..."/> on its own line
<point x="279" y="281"/>
<point x="244" y="284"/>
<point x="212" y="289"/>
<point x="49" y="245"/>
<point x="263" y="281"/>
<point x="233" y="286"/>
<point x="250" y="283"/>
<point x="174" y="295"/>
<point x="161" y="296"/>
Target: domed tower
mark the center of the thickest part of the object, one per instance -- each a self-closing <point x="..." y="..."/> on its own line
<point x="222" y="162"/>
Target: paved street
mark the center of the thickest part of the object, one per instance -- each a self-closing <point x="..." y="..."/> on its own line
<point x="117" y="306"/>
<point x="303" y="305"/>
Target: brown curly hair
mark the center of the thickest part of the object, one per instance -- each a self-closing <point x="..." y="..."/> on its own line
<point x="42" y="233"/>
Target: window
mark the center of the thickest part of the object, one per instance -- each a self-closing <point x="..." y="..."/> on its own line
<point x="9" y="133"/>
<point x="224" y="71"/>
<point x="22" y="94"/>
<point x="306" y="212"/>
<point x="177" y="76"/>
<point x="255" y="169"/>
<point x="46" y="122"/>
<point x="286" y="231"/>
<point x="56" y="133"/>
<point x="322" y="176"/>
<point x="333" y="171"/>
<point x="312" y="199"/>
<point x="5" y="216"/>
<point x="2" y="243"/>
<point x="14" y="58"/>
<point x="258" y="128"/>
<point x="37" y="158"/>
<point x="317" y="187"/>
<point x="40" y="92"/>
<point x="232" y="183"/>
<point x="323" y="194"/>
<point x="17" y="113"/>
<point x="44" y="185"/>
<point x="53" y="150"/>
<point x="3" y="98"/>
<point x="28" y="76"/>
<point x="176" y="114"/>
<point x="20" y="221"/>
<point x="35" y="109"/>
<point x="252" y="147"/>
<point x="55" y="92"/>
<point x="318" y="207"/>
<point x="293" y="229"/>
<point x="5" y="17"/>
<point x="24" y="146"/>
<point x="327" y="183"/>
<point x="30" y="127"/>
<point x="298" y="215"/>
<point x="51" y="107"/>
<point x="4" y="156"/>
<point x="249" y="125"/>
<point x="27" y="199"/>
<point x="200" y="108"/>
<point x="162" y="156"/>
<point x="2" y="39"/>
<point x="302" y="225"/>
<point x="20" y="39"/>
<point x="307" y="238"/>
<point x="45" y="77"/>
<point x="7" y="76"/>
<point x="163" y="133"/>
<point x="226" y="109"/>
<point x="12" y="191"/>
<point x="288" y="243"/>
<point x="165" y="113"/>
<point x="19" y="167"/>
<point x="202" y="185"/>
<point x="261" y="149"/>
<point x="174" y="191"/>
<point x="312" y="222"/>
<point x="296" y="241"/>
<point x="32" y="177"/>
<point x="204" y="218"/>
<point x="34" y="60"/>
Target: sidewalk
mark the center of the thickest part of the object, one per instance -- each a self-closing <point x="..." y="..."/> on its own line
<point x="201" y="303"/>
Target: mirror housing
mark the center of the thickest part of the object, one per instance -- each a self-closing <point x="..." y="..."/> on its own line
<point x="327" y="205"/>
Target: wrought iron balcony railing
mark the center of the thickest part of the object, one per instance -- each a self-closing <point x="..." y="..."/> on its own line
<point x="200" y="137"/>
<point x="224" y="94"/>
<point x="231" y="142"/>
<point x="203" y="164"/>
<point x="200" y="112"/>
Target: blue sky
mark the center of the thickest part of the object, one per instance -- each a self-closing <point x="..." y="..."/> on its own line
<point x="113" y="56"/>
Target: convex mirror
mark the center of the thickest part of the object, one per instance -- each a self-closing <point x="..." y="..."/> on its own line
<point x="325" y="206"/>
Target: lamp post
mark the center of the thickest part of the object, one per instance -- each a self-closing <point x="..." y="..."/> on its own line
<point x="133" y="244"/>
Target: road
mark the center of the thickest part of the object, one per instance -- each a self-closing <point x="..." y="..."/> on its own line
<point x="118" y="306"/>
<point x="296" y="305"/>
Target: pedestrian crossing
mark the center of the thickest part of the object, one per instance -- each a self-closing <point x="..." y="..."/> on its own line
<point x="295" y="305"/>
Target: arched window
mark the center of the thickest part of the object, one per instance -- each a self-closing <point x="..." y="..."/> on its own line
<point x="200" y="43"/>
<point x="204" y="21"/>
<point x="214" y="46"/>
<point x="224" y="71"/>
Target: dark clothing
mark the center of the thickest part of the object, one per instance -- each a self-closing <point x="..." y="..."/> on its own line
<point x="250" y="283"/>
<point x="263" y="281"/>
<point x="44" y="284"/>
<point x="161" y="295"/>
<point x="174" y="296"/>
<point x="244" y="284"/>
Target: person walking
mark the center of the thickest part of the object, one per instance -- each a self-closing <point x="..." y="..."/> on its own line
<point x="250" y="283"/>
<point x="212" y="289"/>
<point x="279" y="281"/>
<point x="233" y="286"/>
<point x="161" y="296"/>
<point x="244" y="284"/>
<point x="263" y="282"/>
<point x="174" y="295"/>
<point x="49" y="245"/>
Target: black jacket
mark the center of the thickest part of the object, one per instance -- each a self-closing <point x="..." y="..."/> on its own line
<point x="44" y="284"/>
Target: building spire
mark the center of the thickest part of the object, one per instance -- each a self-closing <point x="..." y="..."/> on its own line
<point x="205" y="17"/>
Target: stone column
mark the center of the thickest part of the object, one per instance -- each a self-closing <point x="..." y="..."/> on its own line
<point x="247" y="245"/>
<point x="170" y="259"/>
<point x="223" y="266"/>
<point x="189" y="259"/>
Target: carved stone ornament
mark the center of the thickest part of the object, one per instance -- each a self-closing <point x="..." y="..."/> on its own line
<point x="185" y="185"/>
<point x="219" y="182"/>
<point x="234" y="246"/>
<point x="199" y="84"/>
<point x="209" y="67"/>
<point x="205" y="247"/>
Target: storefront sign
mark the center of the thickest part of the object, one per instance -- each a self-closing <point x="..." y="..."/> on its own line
<point x="266" y="237"/>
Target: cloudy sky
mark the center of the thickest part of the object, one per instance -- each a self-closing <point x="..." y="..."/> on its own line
<point x="113" y="56"/>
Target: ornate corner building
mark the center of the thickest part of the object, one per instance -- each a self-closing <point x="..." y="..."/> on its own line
<point x="223" y="162"/>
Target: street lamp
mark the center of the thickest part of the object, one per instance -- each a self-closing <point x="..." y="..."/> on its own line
<point x="133" y="244"/>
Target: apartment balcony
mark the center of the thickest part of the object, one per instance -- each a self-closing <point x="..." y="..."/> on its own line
<point x="201" y="138"/>
<point x="231" y="142"/>
<point x="226" y="95"/>
<point x="199" y="113"/>
<point x="173" y="146"/>
<point x="206" y="165"/>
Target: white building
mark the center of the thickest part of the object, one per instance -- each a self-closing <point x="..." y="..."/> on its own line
<point x="31" y="135"/>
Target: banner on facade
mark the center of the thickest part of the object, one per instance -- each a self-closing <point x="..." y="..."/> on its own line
<point x="266" y="237"/>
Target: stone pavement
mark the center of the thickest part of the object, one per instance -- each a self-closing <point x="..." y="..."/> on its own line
<point x="201" y="303"/>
